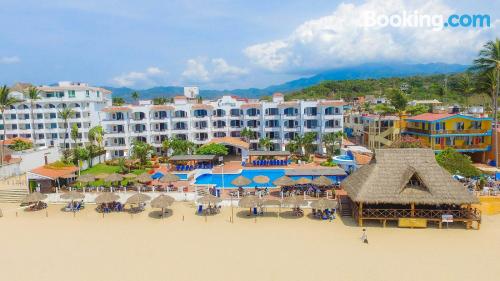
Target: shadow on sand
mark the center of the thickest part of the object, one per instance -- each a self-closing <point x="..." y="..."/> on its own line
<point x="157" y="214"/>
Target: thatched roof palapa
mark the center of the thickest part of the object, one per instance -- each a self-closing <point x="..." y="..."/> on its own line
<point x="283" y="181"/>
<point x="107" y="197"/>
<point x="138" y="198"/>
<point x="261" y="179"/>
<point x="169" y="177"/>
<point x="86" y="178"/>
<point x="34" y="197"/>
<point x="209" y="199"/>
<point x="144" y="178"/>
<point x="163" y="201"/>
<point x="241" y="181"/>
<point x="404" y="176"/>
<point x="322" y="181"/>
<point x="323" y="204"/>
<point x="250" y="201"/>
<point x="73" y="195"/>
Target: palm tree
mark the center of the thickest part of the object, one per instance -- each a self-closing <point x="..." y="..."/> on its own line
<point x="6" y="101"/>
<point x="96" y="134"/>
<point x="33" y="94"/>
<point x="65" y="114"/>
<point x="331" y="141"/>
<point x="182" y="146"/>
<point x="166" y="145"/>
<point x="465" y="86"/>
<point x="135" y="96"/>
<point x="303" y="142"/>
<point x="399" y="101"/>
<point x="265" y="143"/>
<point x="488" y="64"/>
<point x="247" y="134"/>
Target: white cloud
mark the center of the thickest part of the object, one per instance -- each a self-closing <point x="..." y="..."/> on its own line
<point x="10" y="60"/>
<point x="202" y="70"/>
<point x="149" y="77"/>
<point x="343" y="38"/>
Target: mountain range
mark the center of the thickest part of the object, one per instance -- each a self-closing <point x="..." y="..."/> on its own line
<point x="364" y="71"/>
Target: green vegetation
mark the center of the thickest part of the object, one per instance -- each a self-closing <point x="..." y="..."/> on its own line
<point x="32" y="94"/>
<point x="141" y="151"/>
<point x="20" y="145"/>
<point x="5" y="102"/>
<point x="117" y="101"/>
<point x="332" y="143"/>
<point x="213" y="149"/>
<point x="181" y="147"/>
<point x="265" y="143"/>
<point x="457" y="163"/>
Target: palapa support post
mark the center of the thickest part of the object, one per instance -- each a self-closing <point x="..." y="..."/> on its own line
<point x="412" y="210"/>
<point x="360" y="214"/>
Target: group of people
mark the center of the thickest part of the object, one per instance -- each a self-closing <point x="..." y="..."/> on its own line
<point x="308" y="189"/>
<point x="328" y="214"/>
<point x="38" y="206"/>
<point x="110" y="207"/>
<point x="74" y="206"/>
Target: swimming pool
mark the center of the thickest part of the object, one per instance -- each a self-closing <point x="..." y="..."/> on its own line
<point x="182" y="177"/>
<point x="273" y="174"/>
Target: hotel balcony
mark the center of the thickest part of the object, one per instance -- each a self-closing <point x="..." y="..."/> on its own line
<point x="448" y="132"/>
<point x="290" y="117"/>
<point x="463" y="148"/>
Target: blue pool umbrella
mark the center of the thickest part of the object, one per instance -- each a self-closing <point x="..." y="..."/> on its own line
<point x="156" y="175"/>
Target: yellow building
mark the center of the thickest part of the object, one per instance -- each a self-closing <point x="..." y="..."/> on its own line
<point x="468" y="134"/>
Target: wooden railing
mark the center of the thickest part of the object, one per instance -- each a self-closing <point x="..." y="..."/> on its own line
<point x="449" y="132"/>
<point x="462" y="214"/>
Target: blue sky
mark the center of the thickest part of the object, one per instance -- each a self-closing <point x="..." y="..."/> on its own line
<point x="217" y="44"/>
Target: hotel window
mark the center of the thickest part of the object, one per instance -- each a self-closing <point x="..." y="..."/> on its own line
<point x="53" y="125"/>
<point x="333" y="111"/>
<point x="39" y="116"/>
<point x="273" y="135"/>
<point x="236" y="112"/>
<point x="459" y="126"/>
<point x="253" y="123"/>
<point x="98" y="94"/>
<point x="200" y="124"/>
<point x="311" y="111"/>
<point x="272" y="111"/>
<point x="290" y="111"/>
<point x="236" y="123"/>
<point x="253" y="112"/>
<point x="180" y="114"/>
<point x="219" y="124"/>
<point x="476" y="125"/>
<point x="219" y="113"/>
<point x="219" y="134"/>
<point x="311" y="124"/>
<point x="14" y="126"/>
<point x="71" y="93"/>
<point x="40" y="126"/>
<point x="87" y="93"/>
<point x="272" y="123"/>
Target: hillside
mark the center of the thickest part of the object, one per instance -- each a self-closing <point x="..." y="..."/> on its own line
<point x="366" y="71"/>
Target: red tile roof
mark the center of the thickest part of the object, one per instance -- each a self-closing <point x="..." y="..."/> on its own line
<point x="12" y="140"/>
<point x="54" y="173"/>
<point x="116" y="108"/>
<point x="430" y="116"/>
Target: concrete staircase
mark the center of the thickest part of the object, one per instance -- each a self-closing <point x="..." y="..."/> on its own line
<point x="12" y="195"/>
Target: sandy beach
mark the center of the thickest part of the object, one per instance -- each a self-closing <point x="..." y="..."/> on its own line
<point x="143" y="247"/>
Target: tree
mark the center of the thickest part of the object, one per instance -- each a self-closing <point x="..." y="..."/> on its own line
<point x="399" y="101"/>
<point x="6" y="101"/>
<point x="141" y="151"/>
<point x="96" y="134"/>
<point x="20" y="145"/>
<point x="465" y="86"/>
<point x="417" y="109"/>
<point x="488" y="64"/>
<point x="303" y="143"/>
<point x="265" y="143"/>
<point x="33" y="94"/>
<point x="117" y="101"/>
<point x="135" y="96"/>
<point x="247" y="134"/>
<point x="213" y="149"/>
<point x="80" y="154"/>
<point x="74" y="133"/>
<point x="166" y="145"/>
<point x="65" y="114"/>
<point x="160" y="100"/>
<point x="182" y="146"/>
<point x="457" y="163"/>
<point x="332" y="142"/>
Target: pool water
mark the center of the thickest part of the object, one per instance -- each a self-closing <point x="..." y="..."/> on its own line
<point x="273" y="174"/>
<point x="183" y="177"/>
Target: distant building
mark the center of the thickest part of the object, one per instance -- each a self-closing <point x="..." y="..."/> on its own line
<point x="468" y="134"/>
<point x="433" y="102"/>
<point x="371" y="130"/>
<point x="86" y="102"/>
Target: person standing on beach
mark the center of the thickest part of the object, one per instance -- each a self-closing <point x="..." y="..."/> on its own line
<point x="364" y="237"/>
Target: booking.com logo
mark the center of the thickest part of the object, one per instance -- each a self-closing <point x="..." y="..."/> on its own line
<point x="436" y="22"/>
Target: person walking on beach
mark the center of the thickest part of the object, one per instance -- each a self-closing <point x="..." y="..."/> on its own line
<point x="364" y="237"/>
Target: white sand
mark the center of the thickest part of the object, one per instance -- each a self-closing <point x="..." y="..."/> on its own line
<point x="118" y="247"/>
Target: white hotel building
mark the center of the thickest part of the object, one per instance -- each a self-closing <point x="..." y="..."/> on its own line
<point x="86" y="101"/>
<point x="200" y="123"/>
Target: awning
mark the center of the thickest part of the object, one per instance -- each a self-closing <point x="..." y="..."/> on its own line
<point x="193" y="157"/>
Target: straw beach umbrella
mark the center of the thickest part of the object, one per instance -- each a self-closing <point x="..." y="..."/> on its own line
<point x="101" y="176"/>
<point x="209" y="199"/>
<point x="261" y="179"/>
<point x="272" y="203"/>
<point x="250" y="201"/>
<point x="72" y="195"/>
<point x="323" y="204"/>
<point x="34" y="197"/>
<point x="138" y="198"/>
<point x="87" y="178"/>
<point x="130" y="176"/>
<point x="283" y="181"/>
<point x="303" y="181"/>
<point x="163" y="201"/>
<point x="294" y="201"/>
<point x="143" y="178"/>
<point x="169" y="178"/>
<point x="106" y="197"/>
<point x="322" y="181"/>
<point x="241" y="181"/>
<point x="113" y="178"/>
